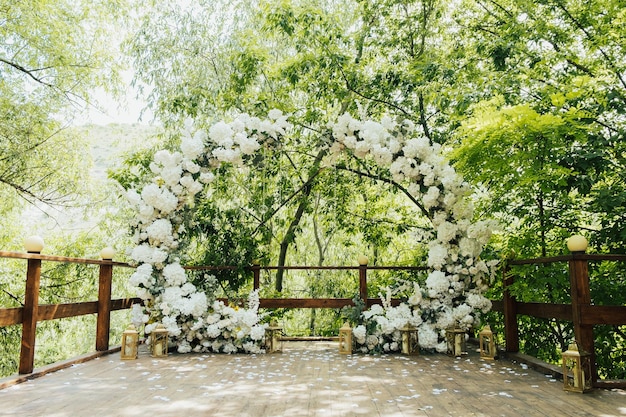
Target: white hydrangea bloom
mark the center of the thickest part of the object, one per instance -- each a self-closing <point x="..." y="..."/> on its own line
<point x="257" y="332"/>
<point x="160" y="232"/>
<point x="437" y="254"/>
<point x="142" y="276"/>
<point x="221" y="133"/>
<point x="193" y="146"/>
<point x="359" y="333"/>
<point x="437" y="282"/>
<point x="431" y="197"/>
<point x="174" y="274"/>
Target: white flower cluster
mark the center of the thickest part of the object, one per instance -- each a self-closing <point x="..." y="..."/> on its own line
<point x="453" y="289"/>
<point x="380" y="328"/>
<point x="178" y="177"/>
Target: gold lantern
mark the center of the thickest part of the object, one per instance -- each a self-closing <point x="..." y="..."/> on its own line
<point x="158" y="341"/>
<point x="345" y="339"/>
<point x="577" y="375"/>
<point x="455" y="341"/>
<point x="273" y="338"/>
<point x="130" y="341"/>
<point x="487" y="344"/>
<point x="410" y="340"/>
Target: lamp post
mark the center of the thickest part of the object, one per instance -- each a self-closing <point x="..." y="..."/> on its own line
<point x="30" y="311"/>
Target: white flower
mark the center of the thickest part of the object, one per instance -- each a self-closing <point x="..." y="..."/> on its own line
<point x="437" y="255"/>
<point x="171" y="175"/>
<point x="431" y="197"/>
<point x="174" y="275"/>
<point x="160" y="232"/>
<point x="446" y="231"/>
<point x="359" y="333"/>
<point x="437" y="282"/>
<point x="193" y="146"/>
<point x="133" y="197"/>
<point x="257" y="332"/>
<point x="147" y="254"/>
<point x="221" y="133"/>
<point x="427" y="337"/>
<point x="142" y="276"/>
<point x="206" y="177"/>
<point x="247" y="145"/>
<point x="192" y="186"/>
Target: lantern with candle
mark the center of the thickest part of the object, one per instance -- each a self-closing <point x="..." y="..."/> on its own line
<point x="345" y="339"/>
<point x="130" y="342"/>
<point x="410" y="340"/>
<point x="455" y="341"/>
<point x="576" y="370"/>
<point x="273" y="338"/>
<point x="158" y="341"/>
<point x="487" y="343"/>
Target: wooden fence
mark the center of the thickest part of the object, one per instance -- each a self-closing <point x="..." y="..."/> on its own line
<point x="32" y="312"/>
<point x="581" y="311"/>
<point x="583" y="314"/>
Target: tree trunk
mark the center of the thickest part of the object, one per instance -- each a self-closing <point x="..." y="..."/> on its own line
<point x="290" y="235"/>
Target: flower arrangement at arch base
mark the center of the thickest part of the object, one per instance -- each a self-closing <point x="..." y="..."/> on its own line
<point x="379" y="328"/>
<point x="222" y="329"/>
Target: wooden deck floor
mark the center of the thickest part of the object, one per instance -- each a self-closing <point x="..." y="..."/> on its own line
<point x="307" y="379"/>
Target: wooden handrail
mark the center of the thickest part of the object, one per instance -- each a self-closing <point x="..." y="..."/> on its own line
<point x="581" y="312"/>
<point x="32" y="312"/>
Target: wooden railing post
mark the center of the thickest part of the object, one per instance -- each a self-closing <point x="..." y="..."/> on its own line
<point x="29" y="316"/>
<point x="511" y="329"/>
<point x="256" y="276"/>
<point x="363" y="282"/>
<point x="581" y="296"/>
<point x="104" y="306"/>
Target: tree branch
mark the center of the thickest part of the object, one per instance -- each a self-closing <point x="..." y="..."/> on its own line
<point x="388" y="181"/>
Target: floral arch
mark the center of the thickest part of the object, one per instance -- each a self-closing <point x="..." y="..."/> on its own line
<point x="457" y="277"/>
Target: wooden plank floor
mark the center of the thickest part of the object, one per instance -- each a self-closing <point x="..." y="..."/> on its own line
<point x="307" y="379"/>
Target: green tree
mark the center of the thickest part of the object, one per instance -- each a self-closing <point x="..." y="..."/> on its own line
<point x="299" y="57"/>
<point x="53" y="55"/>
<point x="548" y="149"/>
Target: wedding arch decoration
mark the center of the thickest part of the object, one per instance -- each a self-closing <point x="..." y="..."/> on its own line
<point x="457" y="277"/>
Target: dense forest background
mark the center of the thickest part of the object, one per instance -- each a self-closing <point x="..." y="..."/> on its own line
<point x="528" y="99"/>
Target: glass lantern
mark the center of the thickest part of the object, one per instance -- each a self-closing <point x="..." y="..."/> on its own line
<point x="273" y="338"/>
<point x="487" y="344"/>
<point x="130" y="341"/>
<point x="159" y="342"/>
<point x="455" y="341"/>
<point x="577" y="375"/>
<point x="345" y="339"/>
<point x="410" y="340"/>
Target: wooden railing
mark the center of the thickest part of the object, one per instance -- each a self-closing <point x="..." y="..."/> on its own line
<point x="32" y="312"/>
<point x="322" y="302"/>
<point x="581" y="312"/>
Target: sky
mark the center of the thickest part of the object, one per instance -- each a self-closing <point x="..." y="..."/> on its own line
<point x="126" y="110"/>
